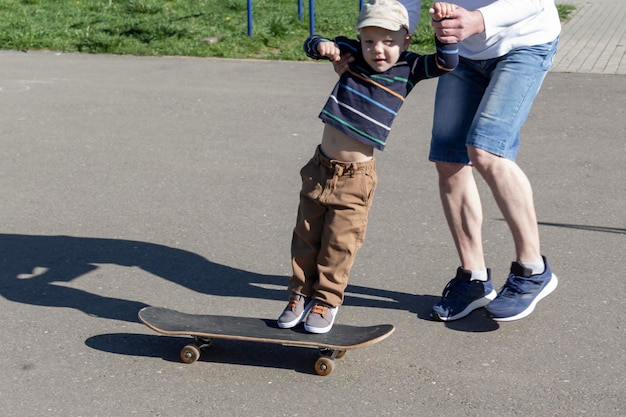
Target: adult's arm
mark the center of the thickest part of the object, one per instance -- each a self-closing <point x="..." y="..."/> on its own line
<point x="502" y="14"/>
<point x="490" y="19"/>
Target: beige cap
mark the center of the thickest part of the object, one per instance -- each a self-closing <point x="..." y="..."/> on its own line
<point x="387" y="14"/>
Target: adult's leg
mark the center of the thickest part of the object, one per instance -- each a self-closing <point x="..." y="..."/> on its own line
<point x="463" y="211"/>
<point x="513" y="194"/>
<point x="493" y="140"/>
<point x="493" y="143"/>
<point x="531" y="278"/>
<point x="471" y="288"/>
<point x="458" y="97"/>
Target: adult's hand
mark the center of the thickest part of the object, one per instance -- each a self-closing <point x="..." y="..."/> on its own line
<point x="460" y="25"/>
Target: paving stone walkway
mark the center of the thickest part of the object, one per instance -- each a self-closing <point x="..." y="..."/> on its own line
<point x="593" y="40"/>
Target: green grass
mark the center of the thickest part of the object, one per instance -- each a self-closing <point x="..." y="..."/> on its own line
<point x="181" y="27"/>
<point x="565" y="10"/>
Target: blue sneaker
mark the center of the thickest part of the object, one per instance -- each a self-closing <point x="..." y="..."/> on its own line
<point x="462" y="296"/>
<point x="521" y="293"/>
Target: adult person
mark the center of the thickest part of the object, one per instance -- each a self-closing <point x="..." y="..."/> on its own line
<point x="413" y="8"/>
<point x="506" y="48"/>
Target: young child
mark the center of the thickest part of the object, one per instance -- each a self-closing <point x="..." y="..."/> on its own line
<point x="338" y="183"/>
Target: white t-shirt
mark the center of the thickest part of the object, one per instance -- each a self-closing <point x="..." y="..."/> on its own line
<point x="510" y="24"/>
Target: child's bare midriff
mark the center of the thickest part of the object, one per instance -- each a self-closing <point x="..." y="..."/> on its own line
<point x="338" y="146"/>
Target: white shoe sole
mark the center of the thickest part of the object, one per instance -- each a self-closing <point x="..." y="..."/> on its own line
<point x="474" y="305"/>
<point x="547" y="290"/>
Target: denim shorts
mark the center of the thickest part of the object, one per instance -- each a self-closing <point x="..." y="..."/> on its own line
<point x="484" y="103"/>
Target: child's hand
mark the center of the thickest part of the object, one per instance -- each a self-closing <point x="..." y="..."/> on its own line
<point x="441" y="11"/>
<point x="330" y="50"/>
<point x="343" y="64"/>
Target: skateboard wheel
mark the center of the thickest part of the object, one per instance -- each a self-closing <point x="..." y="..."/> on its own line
<point x="190" y="354"/>
<point x="340" y="354"/>
<point x="324" y="365"/>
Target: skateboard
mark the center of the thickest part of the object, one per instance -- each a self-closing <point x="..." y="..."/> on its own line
<point x="206" y="328"/>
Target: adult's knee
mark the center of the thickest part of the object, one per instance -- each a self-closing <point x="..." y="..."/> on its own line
<point x="492" y="167"/>
<point x="451" y="175"/>
<point x="482" y="160"/>
<point x="447" y="169"/>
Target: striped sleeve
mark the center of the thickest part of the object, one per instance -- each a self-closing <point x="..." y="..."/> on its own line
<point x="434" y="65"/>
<point x="447" y="56"/>
<point x="346" y="45"/>
<point x="310" y="46"/>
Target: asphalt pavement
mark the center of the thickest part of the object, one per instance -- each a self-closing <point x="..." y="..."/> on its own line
<point x="133" y="181"/>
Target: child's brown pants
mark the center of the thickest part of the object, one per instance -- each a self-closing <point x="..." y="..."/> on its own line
<point x="335" y="200"/>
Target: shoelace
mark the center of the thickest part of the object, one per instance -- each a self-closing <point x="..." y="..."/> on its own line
<point x="293" y="303"/>
<point x="320" y="309"/>
<point x="455" y="286"/>
<point x="519" y="285"/>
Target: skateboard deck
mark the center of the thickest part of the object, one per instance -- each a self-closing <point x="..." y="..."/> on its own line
<point x="205" y="328"/>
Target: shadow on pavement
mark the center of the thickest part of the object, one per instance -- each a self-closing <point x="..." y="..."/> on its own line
<point x="221" y="351"/>
<point x="34" y="270"/>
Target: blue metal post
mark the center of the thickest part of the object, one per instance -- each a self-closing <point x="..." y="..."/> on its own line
<point x="312" y="16"/>
<point x="300" y="10"/>
<point x="249" y="18"/>
<point x="360" y="4"/>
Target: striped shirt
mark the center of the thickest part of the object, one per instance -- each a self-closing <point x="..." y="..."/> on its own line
<point x="364" y="103"/>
